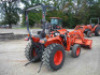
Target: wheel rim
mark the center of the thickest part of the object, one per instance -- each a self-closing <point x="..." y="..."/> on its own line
<point x="78" y="51"/>
<point x="58" y="57"/>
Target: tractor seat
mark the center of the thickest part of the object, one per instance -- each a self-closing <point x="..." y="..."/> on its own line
<point x="64" y="37"/>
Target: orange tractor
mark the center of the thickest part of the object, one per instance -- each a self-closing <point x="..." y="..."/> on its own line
<point x="89" y="29"/>
<point x="50" y="48"/>
<point x="56" y="22"/>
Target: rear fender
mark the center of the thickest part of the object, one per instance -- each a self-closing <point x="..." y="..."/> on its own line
<point x="53" y="40"/>
<point x="34" y="38"/>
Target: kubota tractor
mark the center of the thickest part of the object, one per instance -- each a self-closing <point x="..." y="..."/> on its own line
<point x="91" y="28"/>
<point x="50" y="48"/>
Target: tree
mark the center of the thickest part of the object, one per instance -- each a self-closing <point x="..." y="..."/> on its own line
<point x="10" y="10"/>
<point x="72" y="12"/>
<point x="33" y="17"/>
<point x="82" y="13"/>
<point x="69" y="9"/>
<point x="94" y="9"/>
<point x="85" y="10"/>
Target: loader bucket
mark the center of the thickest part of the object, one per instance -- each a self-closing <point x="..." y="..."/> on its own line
<point x="88" y="43"/>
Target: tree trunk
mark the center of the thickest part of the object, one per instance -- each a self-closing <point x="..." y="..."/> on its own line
<point x="10" y="26"/>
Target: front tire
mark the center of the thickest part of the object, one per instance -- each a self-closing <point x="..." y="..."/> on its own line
<point x="54" y="56"/>
<point x="76" y="50"/>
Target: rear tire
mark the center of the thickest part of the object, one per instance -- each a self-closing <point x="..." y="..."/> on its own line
<point x="76" y="50"/>
<point x="97" y="31"/>
<point x="54" y="56"/>
<point x="30" y="52"/>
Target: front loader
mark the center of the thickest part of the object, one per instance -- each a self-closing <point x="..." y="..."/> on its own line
<point x="50" y="48"/>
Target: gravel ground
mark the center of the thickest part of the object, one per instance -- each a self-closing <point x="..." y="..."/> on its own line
<point x="12" y="61"/>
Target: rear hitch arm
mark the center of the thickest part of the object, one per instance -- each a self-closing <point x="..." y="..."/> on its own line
<point x="32" y="60"/>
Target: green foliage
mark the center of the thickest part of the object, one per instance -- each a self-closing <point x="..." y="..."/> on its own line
<point x="78" y="11"/>
<point x="11" y="18"/>
<point x="75" y="14"/>
<point x="94" y="10"/>
<point x="10" y="11"/>
<point x="33" y="18"/>
<point x="36" y="17"/>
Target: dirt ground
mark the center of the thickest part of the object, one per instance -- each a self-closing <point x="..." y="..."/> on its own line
<point x="12" y="61"/>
